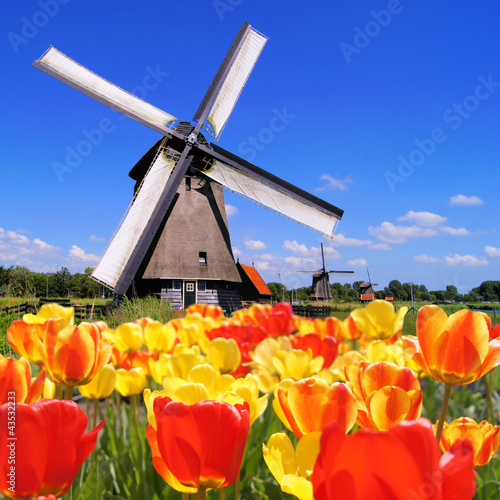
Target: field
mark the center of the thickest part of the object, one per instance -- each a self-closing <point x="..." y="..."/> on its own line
<point x="121" y="466"/>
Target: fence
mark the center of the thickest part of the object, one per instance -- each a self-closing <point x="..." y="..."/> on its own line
<point x="311" y="311"/>
<point x="82" y="311"/>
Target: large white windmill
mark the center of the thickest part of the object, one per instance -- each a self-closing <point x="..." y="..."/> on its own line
<point x="174" y="240"/>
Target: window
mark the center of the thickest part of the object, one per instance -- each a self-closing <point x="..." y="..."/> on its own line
<point x="202" y="286"/>
<point x="189" y="287"/>
<point x="177" y="285"/>
<point x="203" y="258"/>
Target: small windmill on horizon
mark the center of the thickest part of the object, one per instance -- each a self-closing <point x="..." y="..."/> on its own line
<point x="321" y="280"/>
<point x="173" y="240"/>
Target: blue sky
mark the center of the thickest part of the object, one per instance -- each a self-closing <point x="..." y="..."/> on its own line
<point x="390" y="111"/>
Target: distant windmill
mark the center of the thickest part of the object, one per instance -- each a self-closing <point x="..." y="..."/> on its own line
<point x="280" y="274"/>
<point x="366" y="289"/>
<point x="321" y="281"/>
<point x="174" y="241"/>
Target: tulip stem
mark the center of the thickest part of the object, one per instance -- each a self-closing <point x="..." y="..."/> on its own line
<point x="202" y="493"/>
<point x="94" y="416"/>
<point x="237" y="487"/>
<point x="59" y="392"/>
<point x="222" y="492"/>
<point x="134" y="411"/>
<point x="487" y="390"/>
<point x="444" y="407"/>
<point x="68" y="393"/>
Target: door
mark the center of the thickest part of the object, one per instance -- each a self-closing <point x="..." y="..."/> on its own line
<point x="189" y="293"/>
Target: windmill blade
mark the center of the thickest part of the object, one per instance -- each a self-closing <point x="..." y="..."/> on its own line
<point x="56" y="64"/>
<point x="254" y="183"/>
<point x="133" y="237"/>
<point x="230" y="79"/>
<point x="340" y="272"/>
<point x="323" y="258"/>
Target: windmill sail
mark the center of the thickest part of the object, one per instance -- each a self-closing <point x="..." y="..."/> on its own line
<point x="116" y="256"/>
<point x="271" y="192"/>
<point x="230" y="78"/>
<point x="60" y="66"/>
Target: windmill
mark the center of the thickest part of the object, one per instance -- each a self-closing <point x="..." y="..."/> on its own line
<point x="367" y="293"/>
<point x="321" y="281"/>
<point x="280" y="274"/>
<point x="174" y="240"/>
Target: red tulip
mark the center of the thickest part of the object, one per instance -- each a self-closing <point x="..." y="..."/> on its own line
<point x="327" y="347"/>
<point x="403" y="463"/>
<point x="15" y="381"/>
<point x="42" y="446"/>
<point x="200" y="445"/>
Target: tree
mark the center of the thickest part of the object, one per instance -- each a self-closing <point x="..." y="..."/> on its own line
<point x="277" y="289"/>
<point x="61" y="282"/>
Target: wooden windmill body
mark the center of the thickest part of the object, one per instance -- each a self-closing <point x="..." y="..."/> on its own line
<point x="173" y="240"/>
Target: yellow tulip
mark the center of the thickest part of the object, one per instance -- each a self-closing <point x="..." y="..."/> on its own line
<point x="293" y="468"/>
<point x="48" y="311"/>
<point x="378" y="320"/>
<point x="297" y="364"/>
<point x="127" y="337"/>
<point x="159" y="337"/>
<point x="224" y="354"/>
<point x="130" y="382"/>
<point x="102" y="385"/>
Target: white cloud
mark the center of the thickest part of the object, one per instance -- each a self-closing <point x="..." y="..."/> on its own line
<point x="492" y="251"/>
<point x="255" y="245"/>
<point x="381" y="246"/>
<point x="334" y="184"/>
<point x="461" y="199"/>
<point x="231" y="210"/>
<point x="389" y="233"/>
<point x="424" y="219"/>
<point x="426" y="259"/>
<point x="77" y="254"/>
<point x="18" y="249"/>
<point x="357" y="262"/>
<point x="93" y="237"/>
<point x="459" y="231"/>
<point x="340" y="240"/>
<point x="296" y="248"/>
<point x="465" y="260"/>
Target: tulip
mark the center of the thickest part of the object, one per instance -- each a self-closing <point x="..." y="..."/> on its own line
<point x="309" y="404"/>
<point x="485" y="438"/>
<point x="26" y="339"/>
<point x="293" y="468"/>
<point x="50" y="447"/>
<point x="378" y="320"/>
<point x="128" y="337"/>
<point x="74" y="354"/>
<point x="297" y="364"/>
<point x="206" y="310"/>
<point x="327" y="347"/>
<point x="159" y="337"/>
<point x="15" y="381"/>
<point x="386" y="394"/>
<point x="456" y="349"/>
<point x="402" y="463"/>
<point x="130" y="382"/>
<point x="49" y="311"/>
<point x="201" y="445"/>
<point x="102" y="385"/>
<point x="224" y="355"/>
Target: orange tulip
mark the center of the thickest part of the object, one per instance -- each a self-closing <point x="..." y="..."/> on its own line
<point x="485" y="438"/>
<point x="327" y="347"/>
<point x="49" y="447"/>
<point x="386" y="394"/>
<point x="455" y="349"/>
<point x="403" y="463"/>
<point x="15" y="382"/>
<point x="200" y="445"/>
<point x="309" y="404"/>
<point x="26" y="339"/>
<point x="74" y="354"/>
